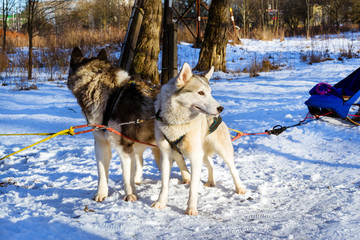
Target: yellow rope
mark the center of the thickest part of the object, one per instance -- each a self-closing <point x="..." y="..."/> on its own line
<point x="352" y="121"/>
<point x="29" y="134"/>
<point x="69" y="131"/>
<point x="236" y="130"/>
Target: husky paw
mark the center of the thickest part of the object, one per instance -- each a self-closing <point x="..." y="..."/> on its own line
<point x="191" y="211"/>
<point x="185" y="177"/>
<point x="130" y="198"/>
<point x="240" y="190"/>
<point x="137" y="180"/>
<point x="186" y="181"/>
<point x="99" y="197"/>
<point x="209" y="184"/>
<point x="158" y="205"/>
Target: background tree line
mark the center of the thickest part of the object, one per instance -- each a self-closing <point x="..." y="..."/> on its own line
<point x="57" y="18"/>
<point x="295" y="17"/>
<point x="60" y="24"/>
<point x="66" y="21"/>
<point x="63" y="24"/>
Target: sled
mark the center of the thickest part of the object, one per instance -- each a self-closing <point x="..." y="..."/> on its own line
<point x="342" y="99"/>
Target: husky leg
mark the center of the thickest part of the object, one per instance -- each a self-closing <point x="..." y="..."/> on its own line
<point x="196" y="164"/>
<point x="209" y="163"/>
<point x="128" y="172"/>
<point x="180" y="161"/>
<point x="226" y="151"/>
<point x="157" y="156"/>
<point x="139" y="163"/>
<point x="103" y="157"/>
<point x="166" y="162"/>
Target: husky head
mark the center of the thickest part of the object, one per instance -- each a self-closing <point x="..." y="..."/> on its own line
<point x="194" y="93"/>
<point x="81" y="67"/>
<point x="77" y="59"/>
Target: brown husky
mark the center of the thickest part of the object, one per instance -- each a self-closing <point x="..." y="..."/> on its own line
<point x="109" y="96"/>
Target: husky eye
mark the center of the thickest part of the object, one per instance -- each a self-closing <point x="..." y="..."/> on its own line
<point x="201" y="93"/>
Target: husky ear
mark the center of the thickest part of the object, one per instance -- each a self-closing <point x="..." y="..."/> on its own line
<point x="76" y="56"/>
<point x="209" y="73"/>
<point x="184" y="75"/>
<point x="102" y="55"/>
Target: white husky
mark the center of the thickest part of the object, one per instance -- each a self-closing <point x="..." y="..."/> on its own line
<point x="185" y="110"/>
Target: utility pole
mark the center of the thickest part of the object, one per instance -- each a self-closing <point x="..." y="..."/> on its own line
<point x="169" y="57"/>
<point x="198" y="22"/>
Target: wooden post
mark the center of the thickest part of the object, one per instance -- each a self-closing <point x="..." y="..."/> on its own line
<point x="172" y="51"/>
<point x="165" y="48"/>
<point x="233" y="21"/>
<point x="198" y="24"/>
<point x="131" y="37"/>
<point x="169" y="54"/>
<point x="198" y="20"/>
<point x="236" y="39"/>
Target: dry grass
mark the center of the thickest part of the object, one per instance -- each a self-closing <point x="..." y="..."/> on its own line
<point x="267" y="34"/>
<point x="24" y="85"/>
<point x="51" y="53"/>
<point x="68" y="39"/>
<point x="348" y="52"/>
<point x="14" y="40"/>
<point x="315" y="57"/>
<point x="256" y="66"/>
<point x="90" y="38"/>
<point x="267" y="66"/>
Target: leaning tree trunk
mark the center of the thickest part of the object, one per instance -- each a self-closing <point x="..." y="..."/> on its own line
<point x="148" y="44"/>
<point x="213" y="50"/>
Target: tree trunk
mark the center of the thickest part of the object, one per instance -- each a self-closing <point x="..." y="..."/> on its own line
<point x="30" y="17"/>
<point x="30" y="56"/>
<point x="244" y="20"/>
<point x="308" y="19"/>
<point x="4" y="37"/>
<point x="148" y="44"/>
<point x="4" y="20"/>
<point x="262" y="12"/>
<point x="213" y="50"/>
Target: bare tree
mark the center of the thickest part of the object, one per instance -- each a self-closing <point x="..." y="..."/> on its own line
<point x="248" y="11"/>
<point x="355" y="13"/>
<point x="39" y="15"/>
<point x="7" y="6"/>
<point x="308" y="9"/>
<point x="213" y="50"/>
<point x="293" y="13"/>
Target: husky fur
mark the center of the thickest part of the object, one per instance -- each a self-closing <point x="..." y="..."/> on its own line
<point x="93" y="81"/>
<point x="186" y="108"/>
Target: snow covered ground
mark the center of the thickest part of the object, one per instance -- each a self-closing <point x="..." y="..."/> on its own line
<point x="302" y="184"/>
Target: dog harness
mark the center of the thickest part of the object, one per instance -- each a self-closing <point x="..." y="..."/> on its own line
<point x="174" y="144"/>
<point x="113" y="98"/>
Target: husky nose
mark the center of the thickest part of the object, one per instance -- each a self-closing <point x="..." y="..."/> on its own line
<point x="220" y="109"/>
